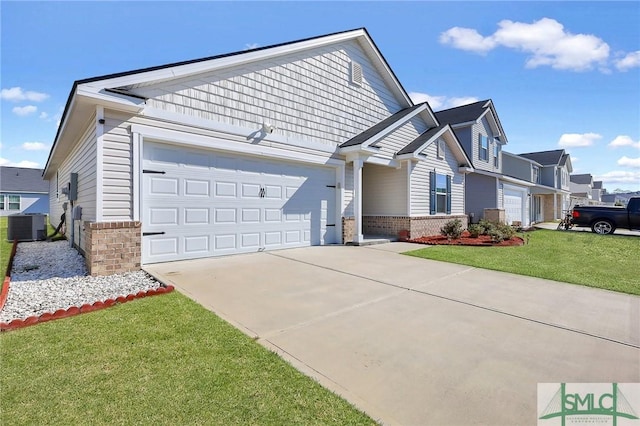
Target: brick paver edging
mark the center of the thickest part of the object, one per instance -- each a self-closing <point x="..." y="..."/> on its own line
<point x="69" y="312"/>
<point x="74" y="310"/>
<point x="7" y="275"/>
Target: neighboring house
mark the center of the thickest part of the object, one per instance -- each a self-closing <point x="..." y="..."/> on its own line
<point x="23" y="190"/>
<point x="551" y="194"/>
<point x="619" y="198"/>
<point x="304" y="143"/>
<point x="597" y="191"/>
<point x="581" y="186"/>
<point x="480" y="132"/>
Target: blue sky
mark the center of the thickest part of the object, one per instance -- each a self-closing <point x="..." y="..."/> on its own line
<point x="561" y="74"/>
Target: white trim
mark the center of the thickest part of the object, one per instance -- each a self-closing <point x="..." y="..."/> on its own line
<point x="409" y="164"/>
<point x="357" y="200"/>
<point x="99" y="163"/>
<point x="340" y="183"/>
<point x="110" y="100"/>
<point x="136" y="171"/>
<point x="183" y="138"/>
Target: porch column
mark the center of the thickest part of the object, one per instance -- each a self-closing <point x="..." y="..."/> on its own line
<point x="357" y="200"/>
<point x="555" y="206"/>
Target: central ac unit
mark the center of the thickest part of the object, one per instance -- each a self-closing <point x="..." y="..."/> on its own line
<point x="26" y="227"/>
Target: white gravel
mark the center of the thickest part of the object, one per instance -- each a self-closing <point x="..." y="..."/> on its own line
<point x="48" y="276"/>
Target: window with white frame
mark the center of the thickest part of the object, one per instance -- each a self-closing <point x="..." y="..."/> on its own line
<point x="9" y="202"/>
<point x="496" y="153"/>
<point x="483" y="148"/>
<point x="440" y="148"/>
<point x="440" y="188"/>
<point x="536" y="174"/>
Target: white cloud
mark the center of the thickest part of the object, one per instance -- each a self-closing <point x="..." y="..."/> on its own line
<point x="620" y="178"/>
<point x="467" y="39"/>
<point x="573" y="140"/>
<point x="24" y="163"/>
<point x="16" y="94"/>
<point x="624" y="140"/>
<point x="25" y="110"/>
<point x="441" y="102"/>
<point x="35" y="146"/>
<point x="629" y="162"/>
<point x="631" y="60"/>
<point x="43" y="115"/>
<point x="546" y="40"/>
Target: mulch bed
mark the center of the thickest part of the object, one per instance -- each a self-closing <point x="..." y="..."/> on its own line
<point x="467" y="240"/>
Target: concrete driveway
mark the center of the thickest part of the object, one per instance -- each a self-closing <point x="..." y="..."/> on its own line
<point x="419" y="342"/>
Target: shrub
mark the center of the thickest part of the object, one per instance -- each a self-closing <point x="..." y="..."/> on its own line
<point x="475" y="230"/>
<point x="500" y="232"/>
<point x="486" y="226"/>
<point x="452" y="229"/>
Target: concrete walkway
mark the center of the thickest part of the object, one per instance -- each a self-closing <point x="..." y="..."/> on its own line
<point x="419" y="342"/>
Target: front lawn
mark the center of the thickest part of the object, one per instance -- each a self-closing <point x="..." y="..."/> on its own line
<point x="603" y="261"/>
<point x="158" y="360"/>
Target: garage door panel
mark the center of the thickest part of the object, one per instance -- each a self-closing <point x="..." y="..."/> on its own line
<point x="163" y="186"/>
<point x="225" y="215"/>
<point x="225" y="189"/>
<point x="197" y="188"/>
<point x="196" y="216"/>
<point x="196" y="244"/>
<point x="163" y="216"/>
<point x="209" y="204"/>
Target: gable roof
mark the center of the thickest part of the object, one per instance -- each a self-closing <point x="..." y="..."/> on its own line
<point x="385" y="126"/>
<point x="112" y="90"/>
<point x="20" y="179"/>
<point x="597" y="184"/>
<point x="582" y="179"/>
<point x="472" y="113"/>
<point x="555" y="157"/>
<point x="423" y="140"/>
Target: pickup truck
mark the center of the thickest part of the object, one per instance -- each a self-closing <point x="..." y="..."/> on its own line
<point x="605" y="220"/>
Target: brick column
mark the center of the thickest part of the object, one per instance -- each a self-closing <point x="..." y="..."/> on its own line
<point x="112" y="247"/>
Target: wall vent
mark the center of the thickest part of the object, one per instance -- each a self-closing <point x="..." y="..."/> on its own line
<point x="356" y="73"/>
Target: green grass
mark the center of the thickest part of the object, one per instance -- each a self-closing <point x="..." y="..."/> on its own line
<point x="602" y="261"/>
<point x="5" y="246"/>
<point x="158" y="360"/>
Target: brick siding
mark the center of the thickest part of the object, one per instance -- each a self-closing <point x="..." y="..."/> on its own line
<point x="112" y="247"/>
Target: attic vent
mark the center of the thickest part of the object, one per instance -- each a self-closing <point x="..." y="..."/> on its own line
<point x="356" y="73"/>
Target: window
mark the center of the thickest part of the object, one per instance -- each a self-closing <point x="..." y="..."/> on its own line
<point x="536" y="174"/>
<point x="9" y="202"/>
<point x="483" y="149"/>
<point x="440" y="186"/>
<point x="496" y="154"/>
<point x="440" y="148"/>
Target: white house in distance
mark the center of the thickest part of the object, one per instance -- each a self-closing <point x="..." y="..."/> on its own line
<point x="304" y="143"/>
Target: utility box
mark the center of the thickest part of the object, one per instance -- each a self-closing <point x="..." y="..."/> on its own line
<point x="73" y="187"/>
<point x="26" y="227"/>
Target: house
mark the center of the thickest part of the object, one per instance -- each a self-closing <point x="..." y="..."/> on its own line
<point x="597" y="191"/>
<point x="489" y="192"/>
<point x="581" y="186"/>
<point x="23" y="190"/>
<point x="309" y="142"/>
<point x="551" y="194"/>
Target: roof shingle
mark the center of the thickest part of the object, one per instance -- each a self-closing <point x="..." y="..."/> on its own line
<point x="21" y="179"/>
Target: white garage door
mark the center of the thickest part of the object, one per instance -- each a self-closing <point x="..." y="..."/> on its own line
<point x="199" y="203"/>
<point x="513" y="202"/>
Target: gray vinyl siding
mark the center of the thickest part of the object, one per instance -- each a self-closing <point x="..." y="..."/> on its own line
<point x="548" y="176"/>
<point x="117" y="186"/>
<point x="420" y="199"/>
<point x="517" y="167"/>
<point x="384" y="190"/>
<point x="401" y="137"/>
<point x="29" y="203"/>
<point x="82" y="160"/>
<point x="480" y="194"/>
<point x="478" y="129"/>
<point x="306" y="95"/>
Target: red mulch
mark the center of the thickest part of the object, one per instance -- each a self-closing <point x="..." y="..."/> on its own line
<point x="466" y="240"/>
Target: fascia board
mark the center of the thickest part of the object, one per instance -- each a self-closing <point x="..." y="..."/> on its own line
<point x="186" y="70"/>
<point x="111" y="100"/>
<point x="394" y="126"/>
